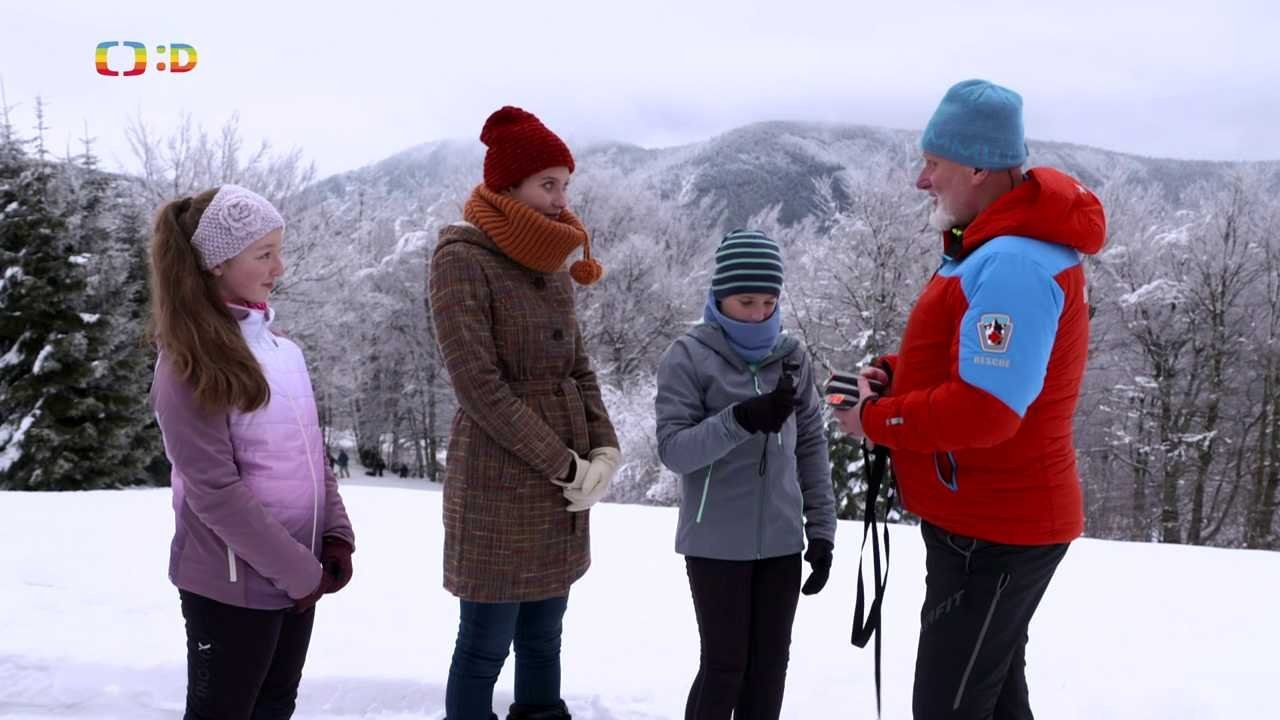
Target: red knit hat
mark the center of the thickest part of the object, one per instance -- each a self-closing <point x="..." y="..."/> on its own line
<point x="519" y="146"/>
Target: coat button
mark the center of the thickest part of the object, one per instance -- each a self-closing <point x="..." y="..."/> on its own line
<point x="558" y="335"/>
<point x="540" y="283"/>
<point x="559" y="392"/>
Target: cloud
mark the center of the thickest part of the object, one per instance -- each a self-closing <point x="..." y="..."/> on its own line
<point x="353" y="85"/>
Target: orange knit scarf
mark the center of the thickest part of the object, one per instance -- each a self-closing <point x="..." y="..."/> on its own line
<point x="531" y="238"/>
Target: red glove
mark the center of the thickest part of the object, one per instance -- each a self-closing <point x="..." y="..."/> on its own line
<point x="335" y="555"/>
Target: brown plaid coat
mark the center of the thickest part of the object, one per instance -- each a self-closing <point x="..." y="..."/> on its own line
<point x="526" y="396"/>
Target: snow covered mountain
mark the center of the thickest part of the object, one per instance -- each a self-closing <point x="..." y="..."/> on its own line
<point x="734" y="176"/>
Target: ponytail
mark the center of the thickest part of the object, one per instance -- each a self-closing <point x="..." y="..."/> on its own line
<point x="189" y="321"/>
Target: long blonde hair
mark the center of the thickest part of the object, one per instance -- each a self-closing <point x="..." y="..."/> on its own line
<point x="189" y="321"/>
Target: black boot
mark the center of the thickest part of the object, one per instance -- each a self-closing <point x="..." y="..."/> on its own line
<point x="559" y="711"/>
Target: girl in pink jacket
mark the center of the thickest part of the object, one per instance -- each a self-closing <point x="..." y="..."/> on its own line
<point x="261" y="532"/>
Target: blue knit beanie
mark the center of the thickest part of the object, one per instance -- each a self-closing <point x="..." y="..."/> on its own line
<point x="747" y="261"/>
<point x="977" y="124"/>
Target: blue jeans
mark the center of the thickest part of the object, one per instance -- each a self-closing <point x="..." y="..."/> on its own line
<point x="485" y="634"/>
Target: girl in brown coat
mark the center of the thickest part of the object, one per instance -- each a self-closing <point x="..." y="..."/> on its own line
<point x="532" y="447"/>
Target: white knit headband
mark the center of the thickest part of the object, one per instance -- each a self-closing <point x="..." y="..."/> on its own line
<point x="234" y="220"/>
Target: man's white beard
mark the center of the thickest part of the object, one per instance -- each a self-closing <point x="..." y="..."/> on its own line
<point x="940" y="218"/>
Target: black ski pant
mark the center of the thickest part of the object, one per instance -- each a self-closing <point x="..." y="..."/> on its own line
<point x="243" y="664"/>
<point x="745" y="610"/>
<point x="979" y="599"/>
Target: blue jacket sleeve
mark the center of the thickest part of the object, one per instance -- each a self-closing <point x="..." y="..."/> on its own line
<point x="1007" y="334"/>
<point x="1002" y="351"/>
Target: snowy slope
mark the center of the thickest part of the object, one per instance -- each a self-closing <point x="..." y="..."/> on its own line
<point x="90" y="627"/>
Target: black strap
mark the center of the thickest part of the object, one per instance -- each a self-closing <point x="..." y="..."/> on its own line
<point x="866" y="620"/>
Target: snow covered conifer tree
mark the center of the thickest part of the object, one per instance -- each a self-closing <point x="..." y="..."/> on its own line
<point x="111" y="231"/>
<point x="49" y="416"/>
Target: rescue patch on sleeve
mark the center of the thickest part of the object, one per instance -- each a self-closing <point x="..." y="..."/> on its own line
<point x="995" y="331"/>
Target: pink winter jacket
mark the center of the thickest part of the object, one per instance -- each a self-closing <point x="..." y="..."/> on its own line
<point x="253" y="496"/>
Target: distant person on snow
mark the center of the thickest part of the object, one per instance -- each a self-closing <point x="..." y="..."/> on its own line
<point x="262" y="532"/>
<point x="532" y="448"/>
<point x="343" y="461"/>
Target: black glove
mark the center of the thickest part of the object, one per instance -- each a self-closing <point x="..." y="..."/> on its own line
<point x="819" y="558"/>
<point x="767" y="413"/>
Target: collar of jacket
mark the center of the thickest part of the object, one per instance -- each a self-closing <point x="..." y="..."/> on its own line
<point x="953" y="244"/>
<point x="1049" y="206"/>
<point x="464" y="232"/>
<point x="255" y="324"/>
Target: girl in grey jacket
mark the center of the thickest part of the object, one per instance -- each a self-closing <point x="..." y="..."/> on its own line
<point x="739" y="419"/>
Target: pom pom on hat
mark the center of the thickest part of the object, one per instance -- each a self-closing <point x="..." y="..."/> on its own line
<point x="587" y="271"/>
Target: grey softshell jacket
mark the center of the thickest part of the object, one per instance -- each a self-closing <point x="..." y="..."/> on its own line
<point x="728" y="509"/>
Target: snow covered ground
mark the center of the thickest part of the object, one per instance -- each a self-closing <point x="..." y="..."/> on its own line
<point x="90" y="627"/>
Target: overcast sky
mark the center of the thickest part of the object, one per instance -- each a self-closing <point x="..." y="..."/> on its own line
<point x="353" y="82"/>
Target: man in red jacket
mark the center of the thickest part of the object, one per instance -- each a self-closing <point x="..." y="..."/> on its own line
<point x="980" y="399"/>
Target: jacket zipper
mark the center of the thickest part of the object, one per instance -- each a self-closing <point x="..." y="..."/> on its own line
<point x="706" y="485"/>
<point x="311" y="466"/>
<point x="231" y="564"/>
<point x="306" y="443"/>
<point x="951" y="479"/>
<point x="755" y="377"/>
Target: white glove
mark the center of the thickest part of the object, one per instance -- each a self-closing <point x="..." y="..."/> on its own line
<point x="595" y="481"/>
<point x="574" y="474"/>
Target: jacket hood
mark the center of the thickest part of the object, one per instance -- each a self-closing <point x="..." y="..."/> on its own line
<point x="465" y="232"/>
<point x="1050" y="206"/>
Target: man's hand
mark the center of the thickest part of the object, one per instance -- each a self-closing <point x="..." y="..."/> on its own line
<point x="851" y="419"/>
<point x="877" y="377"/>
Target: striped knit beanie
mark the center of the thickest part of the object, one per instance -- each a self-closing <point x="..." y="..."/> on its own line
<point x="747" y="261"/>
